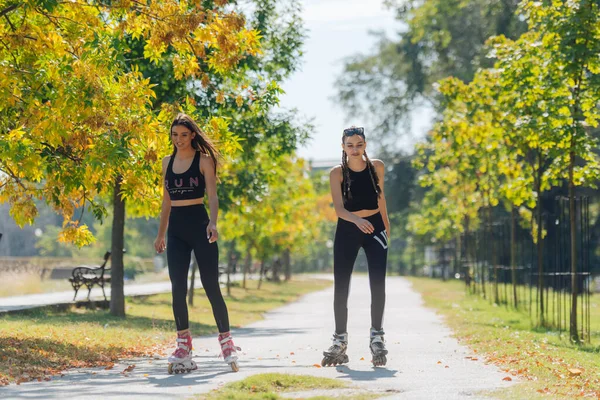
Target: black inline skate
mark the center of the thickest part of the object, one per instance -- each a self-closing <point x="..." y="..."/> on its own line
<point x="336" y="354"/>
<point x="377" y="347"/>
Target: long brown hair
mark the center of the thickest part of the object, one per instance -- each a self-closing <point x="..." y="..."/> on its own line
<point x="200" y="141"/>
<point x="346" y="182"/>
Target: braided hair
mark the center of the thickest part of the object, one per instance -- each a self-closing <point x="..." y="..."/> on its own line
<point x="373" y="174"/>
<point x="346" y="182"/>
<point x="346" y="177"/>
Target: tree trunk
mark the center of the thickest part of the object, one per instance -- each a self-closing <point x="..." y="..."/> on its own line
<point x="117" y="293"/>
<point x="262" y="271"/>
<point x="574" y="289"/>
<point x="470" y="280"/>
<point x="413" y="266"/>
<point x="247" y="264"/>
<point x="494" y="256"/>
<point x="457" y="254"/>
<point x="540" y="254"/>
<point x="513" y="255"/>
<point x="573" y="222"/>
<point x="276" y="273"/>
<point x="192" y="281"/>
<point x="287" y="265"/>
<point x="231" y="259"/>
<point x="484" y="267"/>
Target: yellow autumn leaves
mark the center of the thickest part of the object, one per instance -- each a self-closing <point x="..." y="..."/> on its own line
<point x="76" y="110"/>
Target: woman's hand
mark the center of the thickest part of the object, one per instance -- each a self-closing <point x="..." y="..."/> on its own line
<point x="211" y="232"/>
<point x="364" y="225"/>
<point x="159" y="244"/>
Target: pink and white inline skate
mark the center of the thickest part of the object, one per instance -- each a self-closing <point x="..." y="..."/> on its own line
<point x="181" y="359"/>
<point x="229" y="350"/>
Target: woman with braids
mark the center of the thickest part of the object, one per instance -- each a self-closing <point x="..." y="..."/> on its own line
<point x="359" y="201"/>
<point x="187" y="173"/>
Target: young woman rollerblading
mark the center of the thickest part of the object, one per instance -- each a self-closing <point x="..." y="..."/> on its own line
<point x="187" y="174"/>
<point x="359" y="201"/>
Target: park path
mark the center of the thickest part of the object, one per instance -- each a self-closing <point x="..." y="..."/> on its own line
<point x="131" y="289"/>
<point x="29" y="301"/>
<point x="425" y="361"/>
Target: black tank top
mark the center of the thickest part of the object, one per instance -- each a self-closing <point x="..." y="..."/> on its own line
<point x="364" y="196"/>
<point x="187" y="185"/>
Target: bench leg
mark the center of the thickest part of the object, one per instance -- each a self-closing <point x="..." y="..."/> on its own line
<point x="102" y="286"/>
<point x="89" y="292"/>
<point x="76" y="290"/>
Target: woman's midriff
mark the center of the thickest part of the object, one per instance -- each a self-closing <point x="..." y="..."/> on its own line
<point x="190" y="202"/>
<point x="365" y="213"/>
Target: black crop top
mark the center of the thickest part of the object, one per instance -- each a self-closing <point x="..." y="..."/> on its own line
<point x="187" y="185"/>
<point x="364" y="196"/>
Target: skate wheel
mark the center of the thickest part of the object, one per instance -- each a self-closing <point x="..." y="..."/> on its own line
<point x="323" y="364"/>
<point x="170" y="369"/>
<point x="379" y="361"/>
<point x="234" y="366"/>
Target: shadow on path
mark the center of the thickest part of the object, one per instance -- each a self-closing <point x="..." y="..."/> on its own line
<point x="372" y="375"/>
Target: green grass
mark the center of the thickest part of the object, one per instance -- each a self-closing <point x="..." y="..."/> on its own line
<point x="509" y="339"/>
<point x="269" y="386"/>
<point x="40" y="343"/>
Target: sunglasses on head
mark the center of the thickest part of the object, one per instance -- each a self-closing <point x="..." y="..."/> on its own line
<point x="354" y="131"/>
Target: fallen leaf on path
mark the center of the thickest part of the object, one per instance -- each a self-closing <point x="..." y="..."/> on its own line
<point x="362" y="359"/>
<point x="317" y="365"/>
<point x="110" y="367"/>
<point x="129" y="369"/>
<point x="292" y="353"/>
<point x="439" y="362"/>
<point x="507" y="378"/>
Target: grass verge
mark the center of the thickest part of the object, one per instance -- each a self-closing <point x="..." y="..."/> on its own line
<point x="37" y="344"/>
<point x="548" y="364"/>
<point x="271" y="386"/>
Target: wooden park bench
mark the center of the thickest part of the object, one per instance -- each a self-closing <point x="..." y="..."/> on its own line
<point x="88" y="277"/>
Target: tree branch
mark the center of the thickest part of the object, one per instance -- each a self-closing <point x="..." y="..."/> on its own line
<point x="9" y="9"/>
<point x="10" y="23"/>
<point x="10" y="173"/>
<point x="82" y="211"/>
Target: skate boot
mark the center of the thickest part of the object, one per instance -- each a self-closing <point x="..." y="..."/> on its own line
<point x="336" y="354"/>
<point x="181" y="359"/>
<point x="377" y="346"/>
<point x="229" y="350"/>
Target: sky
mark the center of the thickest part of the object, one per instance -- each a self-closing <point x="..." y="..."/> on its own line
<point x="336" y="29"/>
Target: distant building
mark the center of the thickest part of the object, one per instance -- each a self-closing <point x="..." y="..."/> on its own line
<point x="322" y="165"/>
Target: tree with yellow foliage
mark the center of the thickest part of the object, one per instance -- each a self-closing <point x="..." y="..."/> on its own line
<point x="77" y="119"/>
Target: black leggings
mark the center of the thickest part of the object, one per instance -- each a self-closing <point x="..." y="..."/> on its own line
<point x="348" y="240"/>
<point x="187" y="232"/>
